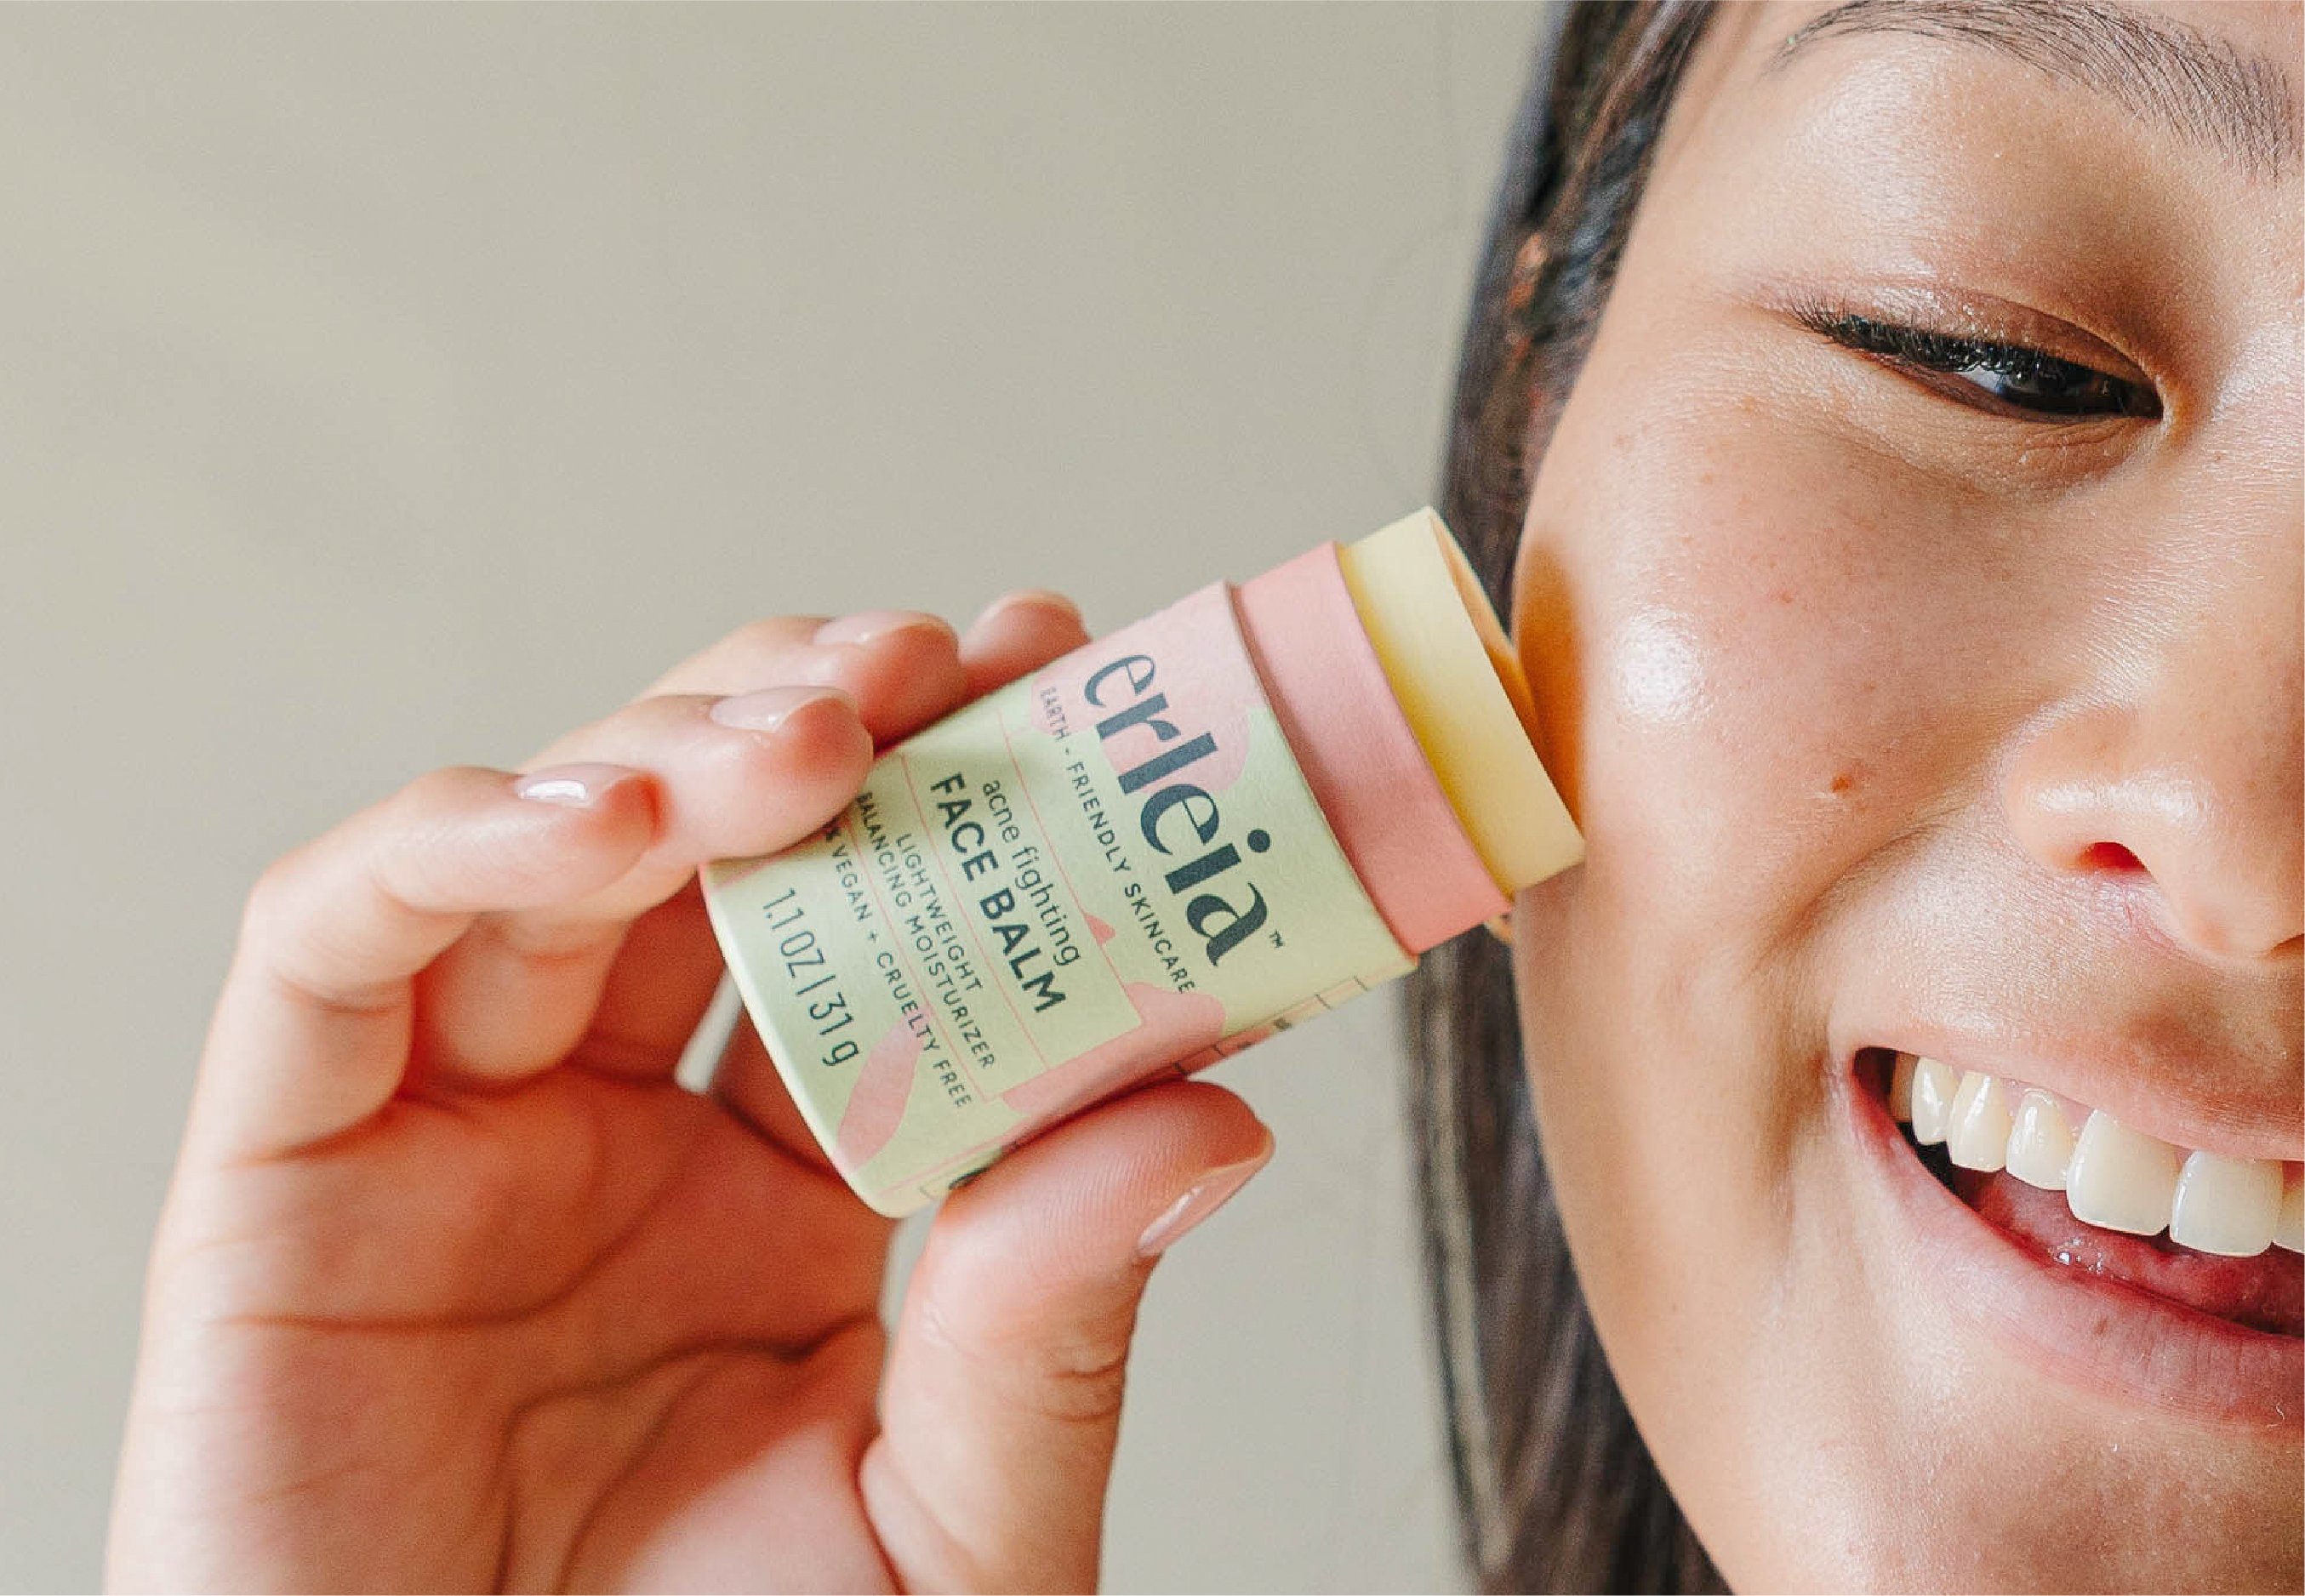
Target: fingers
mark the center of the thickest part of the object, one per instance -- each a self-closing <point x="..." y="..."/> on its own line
<point x="663" y="977"/>
<point x="646" y="987"/>
<point x="734" y="778"/>
<point x="521" y="906"/>
<point x="623" y="976"/>
<point x="1017" y="633"/>
<point x="902" y="668"/>
<point x="746" y="1081"/>
<point x="1002" y="1402"/>
<point x="310" y="1035"/>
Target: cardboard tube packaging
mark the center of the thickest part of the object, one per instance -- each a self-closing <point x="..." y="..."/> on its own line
<point x="1168" y="844"/>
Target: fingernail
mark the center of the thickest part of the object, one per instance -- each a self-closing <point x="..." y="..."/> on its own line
<point x="1207" y="1195"/>
<point x="572" y="787"/>
<point x="868" y="625"/>
<point x="771" y="707"/>
<point x="829" y="662"/>
<point x="1041" y="597"/>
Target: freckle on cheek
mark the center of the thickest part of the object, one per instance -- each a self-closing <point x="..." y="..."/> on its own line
<point x="1848" y="780"/>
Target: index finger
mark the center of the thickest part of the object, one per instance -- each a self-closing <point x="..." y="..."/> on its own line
<point x="311" y="1033"/>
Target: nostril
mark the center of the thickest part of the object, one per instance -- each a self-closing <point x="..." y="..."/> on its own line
<point x="1872" y="1067"/>
<point x="2111" y="858"/>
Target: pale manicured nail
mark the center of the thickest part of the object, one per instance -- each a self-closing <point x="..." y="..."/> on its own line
<point x="829" y="662"/>
<point x="1206" y="1195"/>
<point x="871" y="625"/>
<point x="571" y="786"/>
<point x="771" y="707"/>
<point x="1039" y="598"/>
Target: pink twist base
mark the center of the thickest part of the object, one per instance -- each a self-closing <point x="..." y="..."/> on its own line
<point x="1363" y="762"/>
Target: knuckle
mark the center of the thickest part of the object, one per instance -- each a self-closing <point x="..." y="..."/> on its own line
<point x="431" y="841"/>
<point x="429" y="793"/>
<point x="414" y="820"/>
<point x="737" y="658"/>
<point x="821" y="745"/>
<point x="281" y="892"/>
<point x="632" y="729"/>
<point x="271" y="895"/>
<point x="740" y="766"/>
<point x="771" y="635"/>
<point x="1079" y="1382"/>
<point x="1076" y="1374"/>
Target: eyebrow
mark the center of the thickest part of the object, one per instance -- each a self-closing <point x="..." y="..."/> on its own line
<point x="2204" y="89"/>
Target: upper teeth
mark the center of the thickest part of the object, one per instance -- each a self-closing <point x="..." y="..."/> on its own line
<point x="2111" y="1175"/>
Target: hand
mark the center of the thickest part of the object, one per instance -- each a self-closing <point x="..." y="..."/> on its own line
<point x="456" y="1287"/>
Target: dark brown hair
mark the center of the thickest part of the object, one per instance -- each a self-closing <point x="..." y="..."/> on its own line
<point x="1556" y="1491"/>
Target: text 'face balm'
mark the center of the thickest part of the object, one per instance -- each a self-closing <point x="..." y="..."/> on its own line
<point x="1145" y="856"/>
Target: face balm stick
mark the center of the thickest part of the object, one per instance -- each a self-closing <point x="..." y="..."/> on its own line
<point x="1171" y="842"/>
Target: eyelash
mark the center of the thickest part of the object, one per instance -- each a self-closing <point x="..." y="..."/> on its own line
<point x="2011" y="366"/>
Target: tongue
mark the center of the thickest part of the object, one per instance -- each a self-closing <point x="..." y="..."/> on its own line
<point x="2263" y="1292"/>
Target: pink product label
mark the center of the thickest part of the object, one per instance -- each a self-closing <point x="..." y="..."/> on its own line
<point x="1108" y="869"/>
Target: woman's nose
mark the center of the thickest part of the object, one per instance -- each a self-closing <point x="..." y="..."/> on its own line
<point x="2189" y="774"/>
<point x="2193" y="785"/>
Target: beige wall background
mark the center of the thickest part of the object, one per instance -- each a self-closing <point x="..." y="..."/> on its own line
<point x="387" y="388"/>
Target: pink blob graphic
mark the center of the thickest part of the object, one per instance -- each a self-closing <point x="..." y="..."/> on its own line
<point x="1104" y="933"/>
<point x="876" y="1104"/>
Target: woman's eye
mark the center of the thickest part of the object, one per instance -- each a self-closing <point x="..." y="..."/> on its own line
<point x="2003" y="378"/>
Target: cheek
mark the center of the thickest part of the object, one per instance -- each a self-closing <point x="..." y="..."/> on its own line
<point x="1738" y="678"/>
<point x="1734" y="653"/>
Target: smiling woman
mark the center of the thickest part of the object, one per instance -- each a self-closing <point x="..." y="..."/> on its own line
<point x="1878" y="1167"/>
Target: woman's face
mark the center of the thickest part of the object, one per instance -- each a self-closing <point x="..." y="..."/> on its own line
<point x="1948" y="713"/>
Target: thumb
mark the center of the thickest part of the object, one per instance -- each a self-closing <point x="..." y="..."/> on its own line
<point x="1001" y="1399"/>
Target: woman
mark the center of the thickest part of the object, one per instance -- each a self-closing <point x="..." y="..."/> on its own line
<point x="1884" y="423"/>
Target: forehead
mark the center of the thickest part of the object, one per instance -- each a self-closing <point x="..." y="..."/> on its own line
<point x="2271" y="28"/>
<point x="2208" y="80"/>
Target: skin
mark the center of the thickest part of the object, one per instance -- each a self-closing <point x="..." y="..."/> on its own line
<point x="1863" y="696"/>
<point x="455" y="1288"/>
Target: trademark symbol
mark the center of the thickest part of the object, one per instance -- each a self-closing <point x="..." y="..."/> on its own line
<point x="1276" y="938"/>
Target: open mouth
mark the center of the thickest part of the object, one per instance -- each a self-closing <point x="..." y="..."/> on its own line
<point x="2081" y="1192"/>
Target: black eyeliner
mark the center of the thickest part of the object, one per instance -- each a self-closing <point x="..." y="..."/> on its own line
<point x="1954" y="354"/>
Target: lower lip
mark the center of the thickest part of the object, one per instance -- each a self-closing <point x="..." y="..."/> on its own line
<point x="2097" y="1334"/>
